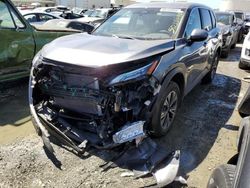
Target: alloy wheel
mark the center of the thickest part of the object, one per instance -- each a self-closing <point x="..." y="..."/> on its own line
<point x="169" y="109"/>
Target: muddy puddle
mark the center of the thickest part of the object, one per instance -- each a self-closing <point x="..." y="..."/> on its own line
<point x="14" y="114"/>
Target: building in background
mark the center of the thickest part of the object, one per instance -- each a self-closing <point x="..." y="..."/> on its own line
<point x="122" y="2"/>
<point x="84" y="3"/>
<point x="29" y="2"/>
<point x="243" y="5"/>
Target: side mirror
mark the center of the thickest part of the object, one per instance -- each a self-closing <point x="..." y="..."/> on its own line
<point x="198" y="35"/>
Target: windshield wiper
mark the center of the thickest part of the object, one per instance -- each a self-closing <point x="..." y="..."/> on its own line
<point x="124" y="37"/>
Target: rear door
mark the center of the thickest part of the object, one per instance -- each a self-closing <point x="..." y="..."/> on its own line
<point x="208" y="25"/>
<point x="17" y="44"/>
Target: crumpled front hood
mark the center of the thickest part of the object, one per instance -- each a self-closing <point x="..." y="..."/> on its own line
<point x="96" y="51"/>
<point x="223" y="27"/>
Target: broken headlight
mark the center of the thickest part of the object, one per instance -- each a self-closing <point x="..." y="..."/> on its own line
<point x="135" y="74"/>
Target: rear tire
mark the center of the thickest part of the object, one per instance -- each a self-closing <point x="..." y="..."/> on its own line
<point x="211" y="74"/>
<point x="165" y="108"/>
<point x="224" y="54"/>
<point x="240" y="37"/>
<point x="233" y="46"/>
<point x="222" y="177"/>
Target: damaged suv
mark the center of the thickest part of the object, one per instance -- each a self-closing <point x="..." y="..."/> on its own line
<point x="125" y="80"/>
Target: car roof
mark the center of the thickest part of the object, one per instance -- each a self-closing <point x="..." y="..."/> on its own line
<point x="43" y="8"/>
<point x="39" y="12"/>
<point x="223" y="12"/>
<point x="179" y="5"/>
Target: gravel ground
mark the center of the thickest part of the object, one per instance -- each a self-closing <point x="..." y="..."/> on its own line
<point x="205" y="131"/>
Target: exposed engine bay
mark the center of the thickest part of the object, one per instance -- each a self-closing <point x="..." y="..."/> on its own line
<point x="80" y="100"/>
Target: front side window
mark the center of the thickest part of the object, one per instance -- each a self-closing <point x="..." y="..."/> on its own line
<point x="213" y="19"/>
<point x="141" y="23"/>
<point x="30" y="18"/>
<point x="5" y="17"/>
<point x="17" y="20"/>
<point x="194" y="22"/>
<point x="206" y="19"/>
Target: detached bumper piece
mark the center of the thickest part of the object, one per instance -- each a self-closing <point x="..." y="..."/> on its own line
<point x="148" y="158"/>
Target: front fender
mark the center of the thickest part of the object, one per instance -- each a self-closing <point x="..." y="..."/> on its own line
<point x="170" y="62"/>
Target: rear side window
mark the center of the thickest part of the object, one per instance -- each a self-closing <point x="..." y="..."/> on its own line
<point x="213" y="19"/>
<point x="206" y="19"/>
<point x="193" y="22"/>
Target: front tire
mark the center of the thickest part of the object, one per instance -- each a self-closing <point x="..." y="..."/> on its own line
<point x="225" y="53"/>
<point x="222" y="177"/>
<point x="165" y="108"/>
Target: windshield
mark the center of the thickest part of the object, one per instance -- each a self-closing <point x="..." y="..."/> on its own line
<point x="88" y="12"/>
<point x="141" y="23"/>
<point x="239" y="15"/>
<point x="225" y="19"/>
<point x="98" y="14"/>
<point x="77" y="10"/>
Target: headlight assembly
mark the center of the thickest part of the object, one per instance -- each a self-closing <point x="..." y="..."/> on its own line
<point x="135" y="74"/>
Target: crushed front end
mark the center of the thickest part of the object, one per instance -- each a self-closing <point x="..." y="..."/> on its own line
<point x="101" y="107"/>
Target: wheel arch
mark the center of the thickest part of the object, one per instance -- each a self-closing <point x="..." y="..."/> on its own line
<point x="176" y="75"/>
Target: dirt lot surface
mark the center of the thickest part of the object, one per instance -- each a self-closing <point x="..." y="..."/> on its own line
<point x="205" y="131"/>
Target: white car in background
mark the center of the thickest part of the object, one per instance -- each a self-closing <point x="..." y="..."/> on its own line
<point x="38" y="18"/>
<point x="245" y="54"/>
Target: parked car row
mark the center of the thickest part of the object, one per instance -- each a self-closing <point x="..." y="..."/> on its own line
<point x="77" y="19"/>
<point x="232" y="29"/>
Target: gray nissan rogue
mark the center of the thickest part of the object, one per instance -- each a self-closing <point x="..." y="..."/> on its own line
<point x="125" y="80"/>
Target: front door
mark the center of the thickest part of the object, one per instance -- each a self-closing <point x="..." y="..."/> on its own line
<point x="194" y="53"/>
<point x="16" y="44"/>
